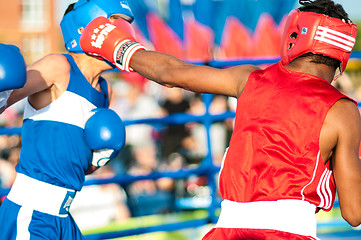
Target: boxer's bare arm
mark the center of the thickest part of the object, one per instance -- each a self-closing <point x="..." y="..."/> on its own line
<point x="46" y="79"/>
<point x="159" y="67"/>
<point x="172" y="72"/>
<point x="341" y="136"/>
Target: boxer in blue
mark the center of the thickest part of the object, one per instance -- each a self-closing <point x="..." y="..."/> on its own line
<point x="65" y="115"/>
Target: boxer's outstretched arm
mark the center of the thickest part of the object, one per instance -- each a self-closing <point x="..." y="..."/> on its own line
<point x="172" y="72"/>
<point x="115" y="42"/>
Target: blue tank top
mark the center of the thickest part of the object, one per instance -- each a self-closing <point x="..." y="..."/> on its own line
<point x="53" y="146"/>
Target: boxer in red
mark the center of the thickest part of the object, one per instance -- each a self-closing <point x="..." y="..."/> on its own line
<point x="295" y="138"/>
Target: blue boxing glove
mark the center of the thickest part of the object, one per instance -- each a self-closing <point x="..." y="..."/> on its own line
<point x="105" y="134"/>
<point x="12" y="71"/>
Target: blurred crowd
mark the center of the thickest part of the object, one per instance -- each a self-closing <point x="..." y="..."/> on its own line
<point x="156" y="147"/>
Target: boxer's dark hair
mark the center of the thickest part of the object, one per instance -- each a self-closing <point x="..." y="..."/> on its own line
<point x="327" y="7"/>
<point x="331" y="9"/>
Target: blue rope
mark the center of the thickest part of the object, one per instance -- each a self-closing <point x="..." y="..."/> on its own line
<point x="10" y="131"/>
<point x="125" y="179"/>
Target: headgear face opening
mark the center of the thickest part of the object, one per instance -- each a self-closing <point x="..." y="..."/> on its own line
<point x="319" y="34"/>
<point x="86" y="10"/>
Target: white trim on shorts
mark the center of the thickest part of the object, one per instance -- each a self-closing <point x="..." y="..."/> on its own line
<point x="293" y="216"/>
<point x="41" y="196"/>
<point x="23" y="222"/>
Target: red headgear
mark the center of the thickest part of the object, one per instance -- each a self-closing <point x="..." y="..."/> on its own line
<point x="319" y="34"/>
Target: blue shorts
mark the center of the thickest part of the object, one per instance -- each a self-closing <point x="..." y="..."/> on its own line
<point x="17" y="221"/>
<point x="35" y="210"/>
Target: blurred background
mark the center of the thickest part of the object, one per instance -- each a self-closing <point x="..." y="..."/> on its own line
<point x="33" y="25"/>
<point x="193" y="30"/>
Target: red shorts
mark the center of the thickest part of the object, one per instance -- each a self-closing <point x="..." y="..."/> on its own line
<point x="251" y="234"/>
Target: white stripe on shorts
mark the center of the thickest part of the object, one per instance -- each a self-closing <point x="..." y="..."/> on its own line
<point x="23" y="222"/>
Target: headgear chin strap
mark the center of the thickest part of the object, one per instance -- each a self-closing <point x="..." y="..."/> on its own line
<point x="319" y="34"/>
<point x="86" y="10"/>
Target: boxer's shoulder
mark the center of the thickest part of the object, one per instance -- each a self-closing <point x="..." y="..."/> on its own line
<point x="52" y="61"/>
<point x="52" y="68"/>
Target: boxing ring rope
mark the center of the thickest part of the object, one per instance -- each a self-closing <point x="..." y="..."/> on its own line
<point x="206" y="167"/>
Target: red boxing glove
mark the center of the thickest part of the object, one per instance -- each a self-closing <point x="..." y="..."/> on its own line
<point x="113" y="42"/>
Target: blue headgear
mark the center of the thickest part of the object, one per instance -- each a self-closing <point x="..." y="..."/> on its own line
<point x="86" y="10"/>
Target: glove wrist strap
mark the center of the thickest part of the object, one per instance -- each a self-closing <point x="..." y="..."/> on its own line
<point x="101" y="157"/>
<point x="124" y="52"/>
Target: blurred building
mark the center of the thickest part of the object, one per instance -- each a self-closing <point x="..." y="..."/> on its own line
<point x="32" y="26"/>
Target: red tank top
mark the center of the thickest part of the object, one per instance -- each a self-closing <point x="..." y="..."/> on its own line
<point x="274" y="150"/>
